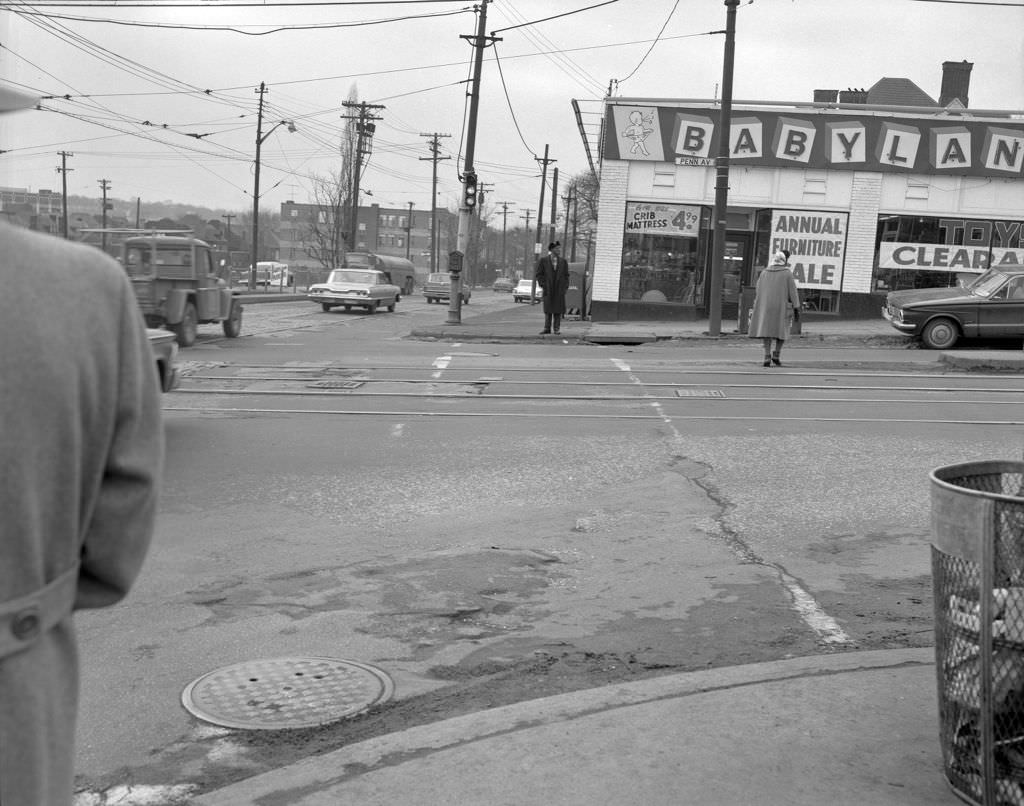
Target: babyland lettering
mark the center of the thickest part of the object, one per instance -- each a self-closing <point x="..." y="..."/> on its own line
<point x="905" y="144"/>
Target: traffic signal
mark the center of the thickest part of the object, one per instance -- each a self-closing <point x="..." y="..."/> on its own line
<point x="469" y="191"/>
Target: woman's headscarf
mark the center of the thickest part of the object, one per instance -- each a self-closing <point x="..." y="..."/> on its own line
<point x="781" y="258"/>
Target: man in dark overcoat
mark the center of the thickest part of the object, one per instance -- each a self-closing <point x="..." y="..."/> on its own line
<point x="81" y="442"/>
<point x="552" y="276"/>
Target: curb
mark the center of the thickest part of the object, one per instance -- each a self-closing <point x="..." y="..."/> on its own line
<point x="330" y="769"/>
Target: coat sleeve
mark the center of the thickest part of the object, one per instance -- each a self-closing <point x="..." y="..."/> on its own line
<point x="120" y="528"/>
<point x="794" y="293"/>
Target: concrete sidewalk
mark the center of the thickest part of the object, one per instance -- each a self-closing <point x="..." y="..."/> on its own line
<point x="524" y="324"/>
<point x="857" y="728"/>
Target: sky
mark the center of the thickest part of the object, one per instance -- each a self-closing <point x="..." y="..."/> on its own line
<point x="159" y="98"/>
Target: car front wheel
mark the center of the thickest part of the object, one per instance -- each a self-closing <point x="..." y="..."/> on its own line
<point x="940" y="334"/>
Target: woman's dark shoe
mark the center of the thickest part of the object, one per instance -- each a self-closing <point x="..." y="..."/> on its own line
<point x="767" y="362"/>
<point x="776" y="361"/>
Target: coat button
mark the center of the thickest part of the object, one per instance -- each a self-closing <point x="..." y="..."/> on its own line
<point x="25" y="624"/>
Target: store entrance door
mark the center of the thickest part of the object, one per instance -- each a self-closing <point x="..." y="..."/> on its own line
<point x="735" y="271"/>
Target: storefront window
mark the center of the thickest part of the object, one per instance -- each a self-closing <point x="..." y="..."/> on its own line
<point x="661" y="259"/>
<point x="935" y="252"/>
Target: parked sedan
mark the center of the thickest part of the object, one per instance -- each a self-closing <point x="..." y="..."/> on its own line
<point x="438" y="288"/>
<point x="992" y="306"/>
<point x="165" y="351"/>
<point x="504" y="284"/>
<point x="359" y="288"/>
<point x="525" y="291"/>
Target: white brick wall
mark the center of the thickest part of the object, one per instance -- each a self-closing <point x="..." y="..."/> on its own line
<point x="611" y="217"/>
<point x="866" y="194"/>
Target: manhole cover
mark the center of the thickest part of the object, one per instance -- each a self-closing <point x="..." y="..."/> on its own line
<point x="284" y="693"/>
<point x="699" y="393"/>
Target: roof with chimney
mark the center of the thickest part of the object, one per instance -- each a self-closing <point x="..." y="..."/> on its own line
<point x="898" y="92"/>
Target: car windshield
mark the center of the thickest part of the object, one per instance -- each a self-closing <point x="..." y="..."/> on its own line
<point x="987" y="284"/>
<point x="438" y="278"/>
<point x="346" y="276"/>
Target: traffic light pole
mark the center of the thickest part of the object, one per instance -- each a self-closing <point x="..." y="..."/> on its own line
<point x="720" y="213"/>
<point x="469" y="186"/>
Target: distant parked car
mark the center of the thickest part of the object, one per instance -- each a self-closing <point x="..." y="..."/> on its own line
<point x="438" y="288"/>
<point x="165" y="352"/>
<point x="525" y="291"/>
<point x="992" y="306"/>
<point x="359" y="288"/>
<point x="504" y="284"/>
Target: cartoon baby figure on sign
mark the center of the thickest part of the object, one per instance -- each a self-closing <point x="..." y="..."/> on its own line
<point x="638" y="129"/>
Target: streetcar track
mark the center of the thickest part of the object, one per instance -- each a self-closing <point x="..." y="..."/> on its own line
<point x="597" y="398"/>
<point x="581" y="416"/>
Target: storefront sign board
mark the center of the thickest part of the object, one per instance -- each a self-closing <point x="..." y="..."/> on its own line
<point x="656" y="218"/>
<point x="850" y="141"/>
<point x="817" y="245"/>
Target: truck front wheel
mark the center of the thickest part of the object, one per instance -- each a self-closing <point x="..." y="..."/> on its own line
<point x="233" y="324"/>
<point x="185" y="330"/>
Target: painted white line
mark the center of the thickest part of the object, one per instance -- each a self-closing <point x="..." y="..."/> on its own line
<point x="441" y="364"/>
<point x="813" y="616"/>
<point x="809" y="611"/>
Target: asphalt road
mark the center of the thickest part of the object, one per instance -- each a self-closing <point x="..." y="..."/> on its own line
<point x="488" y="523"/>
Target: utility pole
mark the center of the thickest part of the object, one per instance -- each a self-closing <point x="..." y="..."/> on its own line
<point x="554" y="201"/>
<point x="408" y="234"/>
<point x="504" y="228"/>
<point x="105" y="185"/>
<point x="469" y="187"/>
<point x="567" y="201"/>
<point x="435" y="155"/>
<point x="228" y="217"/>
<point x="63" y="171"/>
<point x="540" y="215"/>
<point x="230" y="268"/>
<point x="526" y="246"/>
<point x="365" y="129"/>
<point x="722" y="174"/>
<point x="260" y="139"/>
<point x="256" y="194"/>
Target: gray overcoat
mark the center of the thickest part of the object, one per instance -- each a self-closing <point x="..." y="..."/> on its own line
<point x="81" y="452"/>
<point x="775" y="299"/>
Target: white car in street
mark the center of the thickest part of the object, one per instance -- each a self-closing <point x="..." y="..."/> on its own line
<point x="525" y="291"/>
<point x="356" y="288"/>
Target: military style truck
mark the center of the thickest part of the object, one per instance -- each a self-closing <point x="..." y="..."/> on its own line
<point x="177" y="287"/>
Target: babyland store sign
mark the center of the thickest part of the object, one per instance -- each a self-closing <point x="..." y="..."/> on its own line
<point x="861" y="142"/>
<point x="662" y="219"/>
<point x="816" y="242"/>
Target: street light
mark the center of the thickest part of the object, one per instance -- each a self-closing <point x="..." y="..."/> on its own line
<point x="260" y="140"/>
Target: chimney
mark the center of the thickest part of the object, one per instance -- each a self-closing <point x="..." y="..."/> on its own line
<point x="849" y="96"/>
<point x="956" y="81"/>
<point x="825" y="96"/>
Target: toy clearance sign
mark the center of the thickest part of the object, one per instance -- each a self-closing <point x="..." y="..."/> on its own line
<point x="817" y="245"/>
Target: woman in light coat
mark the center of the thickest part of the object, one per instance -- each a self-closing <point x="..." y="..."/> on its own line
<point x="776" y="298"/>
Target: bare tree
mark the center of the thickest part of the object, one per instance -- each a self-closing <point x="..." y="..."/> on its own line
<point x="327" y="225"/>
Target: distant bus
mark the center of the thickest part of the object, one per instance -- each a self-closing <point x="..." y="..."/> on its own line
<point x="401" y="271"/>
<point x="272" y="273"/>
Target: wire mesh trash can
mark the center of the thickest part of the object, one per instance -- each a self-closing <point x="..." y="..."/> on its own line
<point x="978" y="584"/>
